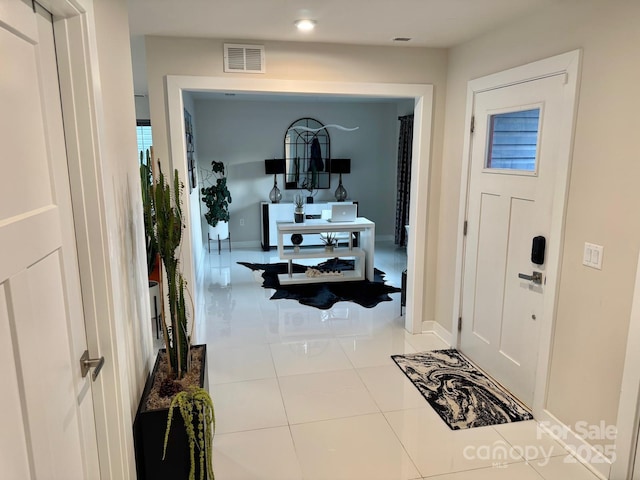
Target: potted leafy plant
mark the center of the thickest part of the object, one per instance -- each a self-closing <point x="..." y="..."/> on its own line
<point x="216" y="197"/>
<point x="180" y="368"/>
<point x="298" y="212"/>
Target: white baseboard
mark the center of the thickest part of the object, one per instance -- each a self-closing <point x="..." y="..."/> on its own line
<point x="589" y="455"/>
<point x="430" y="326"/>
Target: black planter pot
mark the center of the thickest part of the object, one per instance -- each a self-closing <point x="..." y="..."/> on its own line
<point x="148" y="436"/>
<point x="298" y="217"/>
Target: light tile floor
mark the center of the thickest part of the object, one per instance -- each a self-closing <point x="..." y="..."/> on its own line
<point x="302" y="393"/>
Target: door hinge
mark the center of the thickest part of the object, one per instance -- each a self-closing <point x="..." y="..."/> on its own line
<point x="459" y="323"/>
<point x="464" y="228"/>
<point x="473" y="123"/>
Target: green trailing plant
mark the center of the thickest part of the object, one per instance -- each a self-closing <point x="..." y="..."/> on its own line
<point x="168" y="229"/>
<point x="217" y="196"/>
<point x="146" y="183"/>
<point x="195" y="403"/>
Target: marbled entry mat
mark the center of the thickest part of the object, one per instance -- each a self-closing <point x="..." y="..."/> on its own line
<point x="462" y="395"/>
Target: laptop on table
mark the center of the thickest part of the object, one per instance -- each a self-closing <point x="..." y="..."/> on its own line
<point x="344" y="212"/>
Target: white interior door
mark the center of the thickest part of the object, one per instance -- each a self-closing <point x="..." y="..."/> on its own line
<point x="46" y="411"/>
<point x="512" y="179"/>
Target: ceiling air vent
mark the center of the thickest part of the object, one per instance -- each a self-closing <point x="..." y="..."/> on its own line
<point x="243" y="58"/>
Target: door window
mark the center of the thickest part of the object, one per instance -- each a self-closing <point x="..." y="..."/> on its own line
<point x="513" y="140"/>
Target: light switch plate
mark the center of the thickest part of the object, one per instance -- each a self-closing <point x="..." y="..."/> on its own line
<point x="593" y="255"/>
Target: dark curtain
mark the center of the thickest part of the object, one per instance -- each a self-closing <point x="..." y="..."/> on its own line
<point x="405" y="144"/>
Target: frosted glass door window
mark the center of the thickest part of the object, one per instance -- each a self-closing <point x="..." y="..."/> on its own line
<point x="513" y="140"/>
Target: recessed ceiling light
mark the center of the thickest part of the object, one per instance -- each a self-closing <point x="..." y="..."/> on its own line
<point x="305" y="25"/>
<point x="402" y="39"/>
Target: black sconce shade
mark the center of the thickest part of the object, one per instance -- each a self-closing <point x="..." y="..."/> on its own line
<point x="340" y="165"/>
<point x="274" y="166"/>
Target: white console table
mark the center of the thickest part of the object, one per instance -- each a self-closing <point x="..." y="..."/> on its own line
<point x="364" y="254"/>
<point x="272" y="213"/>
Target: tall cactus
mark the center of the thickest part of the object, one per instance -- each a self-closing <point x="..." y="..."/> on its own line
<point x="168" y="220"/>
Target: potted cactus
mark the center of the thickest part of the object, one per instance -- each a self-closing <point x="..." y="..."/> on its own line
<point x="164" y="443"/>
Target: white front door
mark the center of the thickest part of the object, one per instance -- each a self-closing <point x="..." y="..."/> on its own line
<point x="46" y="410"/>
<point x="512" y="179"/>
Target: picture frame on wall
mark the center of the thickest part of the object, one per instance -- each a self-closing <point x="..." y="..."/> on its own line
<point x="190" y="143"/>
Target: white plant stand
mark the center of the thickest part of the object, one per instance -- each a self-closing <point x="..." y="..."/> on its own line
<point x="219" y="232"/>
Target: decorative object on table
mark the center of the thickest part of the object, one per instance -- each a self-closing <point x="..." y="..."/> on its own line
<point x="296" y="239"/>
<point x="340" y="165"/>
<point x="191" y="148"/>
<point x="316" y="272"/>
<point x="180" y="365"/>
<point x="298" y="212"/>
<point x="274" y="166"/>
<point x="324" y="295"/>
<point x="461" y="394"/>
<point x="216" y="197"/>
<point x="307" y="152"/>
<point x="329" y="240"/>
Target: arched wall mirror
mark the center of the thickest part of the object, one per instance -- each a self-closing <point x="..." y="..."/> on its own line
<point x="307" y="153"/>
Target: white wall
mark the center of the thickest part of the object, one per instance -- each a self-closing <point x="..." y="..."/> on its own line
<point x="594" y="306"/>
<point x="142" y="108"/>
<point x="243" y="133"/>
<point x="131" y="325"/>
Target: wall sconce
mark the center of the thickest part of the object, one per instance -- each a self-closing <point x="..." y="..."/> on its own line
<point x="274" y="167"/>
<point x="341" y="165"/>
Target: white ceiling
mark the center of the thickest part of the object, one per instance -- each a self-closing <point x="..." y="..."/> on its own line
<point x="430" y="23"/>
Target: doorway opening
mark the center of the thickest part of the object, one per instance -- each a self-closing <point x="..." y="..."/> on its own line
<point x="423" y="95"/>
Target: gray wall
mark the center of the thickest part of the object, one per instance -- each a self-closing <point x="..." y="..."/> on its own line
<point x="243" y="133"/>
